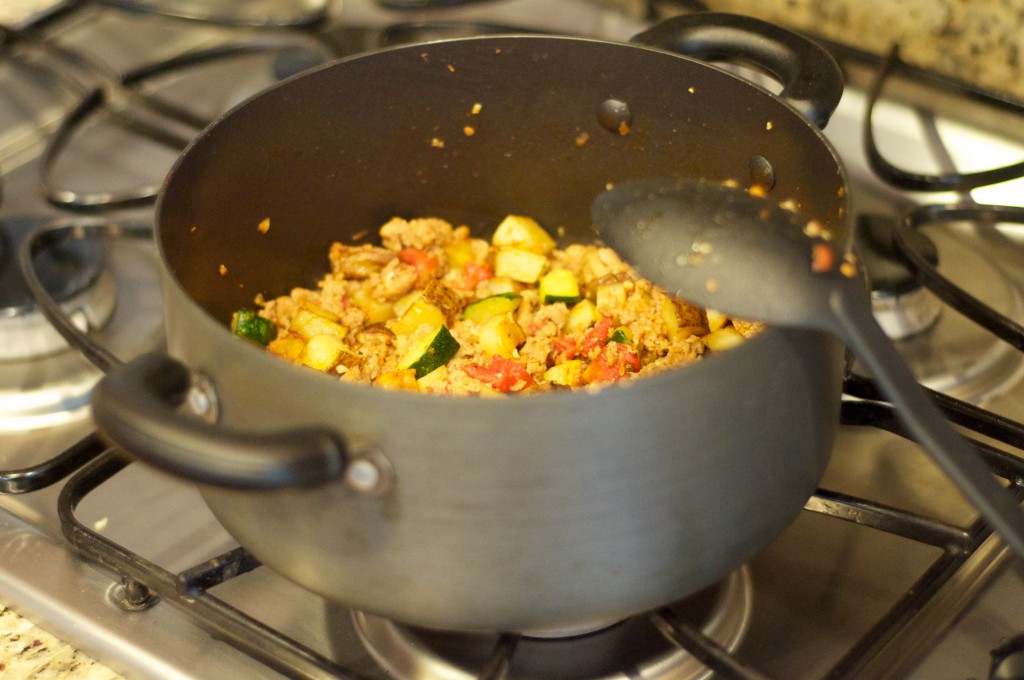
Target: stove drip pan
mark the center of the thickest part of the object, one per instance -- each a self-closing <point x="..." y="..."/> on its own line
<point x="632" y="648"/>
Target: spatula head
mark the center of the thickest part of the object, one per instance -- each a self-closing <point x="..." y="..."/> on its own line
<point x="721" y="247"/>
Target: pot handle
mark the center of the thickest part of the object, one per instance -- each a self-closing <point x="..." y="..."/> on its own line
<point x="135" y="406"/>
<point x="811" y="80"/>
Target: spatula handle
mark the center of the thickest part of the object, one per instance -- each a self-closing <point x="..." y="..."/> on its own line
<point x="857" y="327"/>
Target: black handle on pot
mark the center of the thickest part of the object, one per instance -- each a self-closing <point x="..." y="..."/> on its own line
<point x="135" y="407"/>
<point x="811" y="79"/>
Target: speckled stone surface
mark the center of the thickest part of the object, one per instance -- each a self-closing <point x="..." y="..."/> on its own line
<point x="976" y="41"/>
<point x="30" y="653"/>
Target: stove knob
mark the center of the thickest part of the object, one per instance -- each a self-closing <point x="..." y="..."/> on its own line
<point x="901" y="305"/>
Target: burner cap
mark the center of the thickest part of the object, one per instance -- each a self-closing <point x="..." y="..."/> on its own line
<point x="901" y="305"/>
<point x="634" y="646"/>
<point x="70" y="270"/>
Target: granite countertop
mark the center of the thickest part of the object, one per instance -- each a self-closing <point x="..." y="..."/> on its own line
<point x="979" y="42"/>
<point x="30" y="653"/>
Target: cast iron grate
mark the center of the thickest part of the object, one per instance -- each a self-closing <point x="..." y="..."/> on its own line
<point x="950" y="179"/>
<point x="145" y="582"/>
<point x="131" y="100"/>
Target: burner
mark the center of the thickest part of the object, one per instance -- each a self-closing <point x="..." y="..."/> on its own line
<point x="73" y="274"/>
<point x="946" y="351"/>
<point x="959" y="357"/>
<point x="108" y="289"/>
<point x="634" y="647"/>
<point x="42" y="383"/>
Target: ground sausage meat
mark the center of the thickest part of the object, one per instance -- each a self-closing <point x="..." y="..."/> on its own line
<point x="435" y="309"/>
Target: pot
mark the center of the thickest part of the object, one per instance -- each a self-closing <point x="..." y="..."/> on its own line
<point x="552" y="511"/>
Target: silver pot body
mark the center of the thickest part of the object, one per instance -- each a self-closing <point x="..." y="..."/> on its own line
<point x="544" y="512"/>
<point x="549" y="511"/>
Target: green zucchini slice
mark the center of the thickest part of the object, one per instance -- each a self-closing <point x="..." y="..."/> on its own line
<point x="492" y="306"/>
<point x="559" y="285"/>
<point x="430" y="352"/>
<point x="248" y="324"/>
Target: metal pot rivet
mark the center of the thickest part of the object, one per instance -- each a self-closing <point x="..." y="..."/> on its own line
<point x="615" y="116"/>
<point x="369" y="473"/>
<point x="762" y="172"/>
<point x="202" y="399"/>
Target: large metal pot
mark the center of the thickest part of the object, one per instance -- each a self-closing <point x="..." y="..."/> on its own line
<point x="552" y="510"/>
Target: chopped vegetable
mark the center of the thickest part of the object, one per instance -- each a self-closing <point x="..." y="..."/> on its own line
<point x="716" y="319"/>
<point x="519" y="265"/>
<point x="401" y="379"/>
<point x="324" y="352"/>
<point x="492" y="306"/>
<point x="430" y="352"/>
<point x="435" y="381"/>
<point x="434" y="309"/>
<point x="287" y="346"/>
<point x="598" y="335"/>
<point x="496" y="286"/>
<point x="248" y="324"/>
<point x="621" y="334"/>
<point x="559" y="285"/>
<point x="501" y="335"/>
<point x="376" y="310"/>
<point x="420" y="313"/>
<point x="474" y="274"/>
<point x="523" y="233"/>
<point x="722" y="339"/>
<point x="459" y="254"/>
<point x="568" y="373"/>
<point x="613" y="363"/>
<point x="426" y="264"/>
<point x="582" y="316"/>
<point x="502" y="374"/>
<point x="565" y="349"/>
<point x="312" y="320"/>
<point x="681" y="323"/>
<point x="403" y="303"/>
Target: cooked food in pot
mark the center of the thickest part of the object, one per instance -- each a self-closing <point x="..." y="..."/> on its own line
<point x="437" y="310"/>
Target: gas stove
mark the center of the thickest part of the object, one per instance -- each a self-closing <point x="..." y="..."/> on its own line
<point x="887" y="574"/>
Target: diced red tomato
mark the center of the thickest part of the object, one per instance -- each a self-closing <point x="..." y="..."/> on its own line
<point x="504" y="375"/>
<point x="598" y="335"/>
<point x="426" y="264"/>
<point x="613" y="363"/>
<point x="565" y="349"/>
<point x="473" y="273"/>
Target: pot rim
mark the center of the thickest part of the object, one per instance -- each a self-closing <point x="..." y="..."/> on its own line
<point x="259" y="354"/>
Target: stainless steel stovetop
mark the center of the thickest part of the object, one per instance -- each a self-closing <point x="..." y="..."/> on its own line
<point x="811" y="602"/>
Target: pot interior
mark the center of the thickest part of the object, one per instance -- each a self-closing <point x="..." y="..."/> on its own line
<point x="467" y="130"/>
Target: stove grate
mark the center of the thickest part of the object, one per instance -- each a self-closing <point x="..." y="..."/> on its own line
<point x="144" y="582"/>
<point x="916" y="181"/>
<point x="964" y="548"/>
